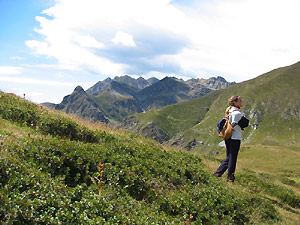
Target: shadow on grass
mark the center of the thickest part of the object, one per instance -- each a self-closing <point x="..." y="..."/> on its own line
<point x="281" y="205"/>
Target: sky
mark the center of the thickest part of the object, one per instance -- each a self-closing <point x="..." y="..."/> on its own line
<point x="48" y="47"/>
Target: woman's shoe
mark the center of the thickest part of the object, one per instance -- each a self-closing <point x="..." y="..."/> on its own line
<point x="217" y="174"/>
<point x="231" y="178"/>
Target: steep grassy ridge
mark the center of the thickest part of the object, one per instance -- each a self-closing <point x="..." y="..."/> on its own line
<point x="177" y="118"/>
<point x="271" y="102"/>
<point x="54" y="171"/>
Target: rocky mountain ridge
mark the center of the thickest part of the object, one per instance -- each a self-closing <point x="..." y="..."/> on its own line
<point x="112" y="100"/>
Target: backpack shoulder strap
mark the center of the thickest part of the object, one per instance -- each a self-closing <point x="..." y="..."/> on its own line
<point x="229" y="114"/>
<point x="227" y="118"/>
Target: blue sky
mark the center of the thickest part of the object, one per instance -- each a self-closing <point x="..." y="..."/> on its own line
<point x="48" y="47"/>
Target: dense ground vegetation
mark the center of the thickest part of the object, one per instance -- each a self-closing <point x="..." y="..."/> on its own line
<point x="55" y="171"/>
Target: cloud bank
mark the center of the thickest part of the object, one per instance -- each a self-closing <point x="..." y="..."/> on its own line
<point x="235" y="39"/>
<point x="11" y="70"/>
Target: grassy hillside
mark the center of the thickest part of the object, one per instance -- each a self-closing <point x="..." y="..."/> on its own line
<point x="174" y="119"/>
<point x="271" y="102"/>
<point x="54" y="170"/>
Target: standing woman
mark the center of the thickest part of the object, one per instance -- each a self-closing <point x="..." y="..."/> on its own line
<point x="233" y="144"/>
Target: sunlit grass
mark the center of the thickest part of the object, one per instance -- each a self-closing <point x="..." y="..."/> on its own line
<point x="275" y="160"/>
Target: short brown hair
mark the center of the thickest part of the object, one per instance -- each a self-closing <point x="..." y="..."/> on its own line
<point x="231" y="102"/>
<point x="233" y="99"/>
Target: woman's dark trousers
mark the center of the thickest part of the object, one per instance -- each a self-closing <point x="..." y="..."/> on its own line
<point x="232" y="150"/>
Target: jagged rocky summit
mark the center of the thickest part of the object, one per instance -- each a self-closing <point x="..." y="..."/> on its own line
<point x="112" y="100"/>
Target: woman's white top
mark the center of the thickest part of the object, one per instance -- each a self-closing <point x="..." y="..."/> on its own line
<point x="234" y="118"/>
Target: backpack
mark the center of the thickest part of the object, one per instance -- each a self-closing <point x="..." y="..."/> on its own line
<point x="225" y="128"/>
<point x="220" y="125"/>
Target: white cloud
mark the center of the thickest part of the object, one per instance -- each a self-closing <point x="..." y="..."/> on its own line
<point x="88" y="41"/>
<point x="15" y="58"/>
<point x="124" y="39"/>
<point x="103" y="21"/>
<point x="10" y="70"/>
<point x="241" y="39"/>
<point x="63" y="75"/>
<point x="74" y="57"/>
<point x="24" y="80"/>
<point x="237" y="39"/>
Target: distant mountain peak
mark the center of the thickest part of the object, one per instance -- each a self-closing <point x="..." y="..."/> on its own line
<point x="139" y="83"/>
<point x="171" y="79"/>
<point x="152" y="80"/>
<point x="140" y="78"/>
<point x="213" y="83"/>
<point x="79" y="89"/>
<point x="107" y="80"/>
<point x="219" y="78"/>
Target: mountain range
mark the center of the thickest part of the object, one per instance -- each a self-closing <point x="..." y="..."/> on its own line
<point x="270" y="101"/>
<point x="112" y="100"/>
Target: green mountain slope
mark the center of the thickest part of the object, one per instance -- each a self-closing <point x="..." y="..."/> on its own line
<point x="271" y="102"/>
<point x="117" y="106"/>
<point x="55" y="171"/>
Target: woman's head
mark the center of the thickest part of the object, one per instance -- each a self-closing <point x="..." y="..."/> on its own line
<point x="235" y="101"/>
